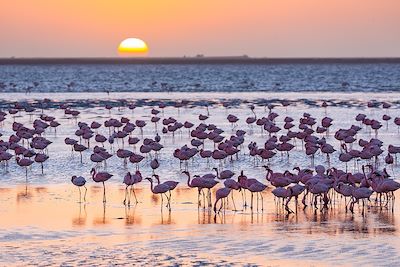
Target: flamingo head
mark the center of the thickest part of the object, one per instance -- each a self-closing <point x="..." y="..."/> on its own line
<point x="266" y="167"/>
<point x="93" y="170"/>
<point x="185" y="172"/>
<point x="371" y="168"/>
<point x="156" y="175"/>
<point x="387" y="175"/>
<point x="288" y="173"/>
<point x="309" y="171"/>
<point x="149" y="179"/>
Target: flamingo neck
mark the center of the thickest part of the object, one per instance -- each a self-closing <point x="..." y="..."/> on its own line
<point x="217" y="173"/>
<point x="151" y="186"/>
<point x="269" y="174"/>
<point x="345" y="148"/>
<point x="188" y="180"/>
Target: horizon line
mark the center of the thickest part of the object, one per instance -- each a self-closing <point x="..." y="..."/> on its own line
<point x="199" y="59"/>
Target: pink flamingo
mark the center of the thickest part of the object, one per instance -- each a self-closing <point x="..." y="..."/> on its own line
<point x="160" y="189"/>
<point x="171" y="184"/>
<point x="79" y="181"/>
<point x="281" y="192"/>
<point x="80" y="148"/>
<point x="256" y="187"/>
<point x="232" y="184"/>
<point x="124" y="154"/>
<point x="154" y="164"/>
<point x="251" y="120"/>
<point x="136" y="178"/>
<point x="128" y="181"/>
<point x="225" y="174"/>
<point x="101" y="177"/>
<point x="221" y="194"/>
<point x="40" y="158"/>
<point x="24" y="162"/>
<point x="345" y="157"/>
<point x="360" y="193"/>
<point x="200" y="184"/>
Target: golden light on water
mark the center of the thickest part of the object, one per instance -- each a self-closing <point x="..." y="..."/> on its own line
<point x="133" y="46"/>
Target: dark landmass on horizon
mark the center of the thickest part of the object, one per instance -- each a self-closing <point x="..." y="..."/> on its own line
<point x="195" y="60"/>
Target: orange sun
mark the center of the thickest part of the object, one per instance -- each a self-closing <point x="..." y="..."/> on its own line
<point x="133" y="46"/>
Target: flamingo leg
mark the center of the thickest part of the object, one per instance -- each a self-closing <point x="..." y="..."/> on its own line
<point x="209" y="198"/>
<point x="134" y="194"/>
<point x="262" y="201"/>
<point x="233" y="201"/>
<point x="84" y="196"/>
<point x="126" y="193"/>
<point x="245" y="203"/>
<point x="104" y="193"/>
<point x="251" y="205"/>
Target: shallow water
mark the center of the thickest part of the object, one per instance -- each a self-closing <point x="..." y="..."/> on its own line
<point x="42" y="223"/>
<point x="65" y="164"/>
<point x="45" y="225"/>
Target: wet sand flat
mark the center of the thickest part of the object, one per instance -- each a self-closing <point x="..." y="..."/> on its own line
<point x="43" y="225"/>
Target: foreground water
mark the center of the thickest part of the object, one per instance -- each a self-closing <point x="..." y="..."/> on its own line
<point x="42" y="223"/>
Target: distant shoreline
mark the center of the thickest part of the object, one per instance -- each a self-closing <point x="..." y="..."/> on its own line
<point x="196" y="60"/>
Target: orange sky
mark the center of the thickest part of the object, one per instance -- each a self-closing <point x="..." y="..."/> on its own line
<point x="270" y="28"/>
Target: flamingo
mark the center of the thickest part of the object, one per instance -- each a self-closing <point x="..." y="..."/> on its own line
<point x="101" y="177"/>
<point x="360" y="193"/>
<point x="225" y="174"/>
<point x="171" y="184"/>
<point x="154" y="164"/>
<point x="40" y="158"/>
<point x="232" y="184"/>
<point x="221" y="194"/>
<point x="128" y="181"/>
<point x="24" y="162"/>
<point x="79" y="181"/>
<point x="159" y="189"/>
<point x="200" y="184"/>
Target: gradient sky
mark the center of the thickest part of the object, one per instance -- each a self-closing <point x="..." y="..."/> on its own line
<point x="259" y="28"/>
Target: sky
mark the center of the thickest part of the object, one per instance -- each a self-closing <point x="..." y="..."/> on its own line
<point x="257" y="28"/>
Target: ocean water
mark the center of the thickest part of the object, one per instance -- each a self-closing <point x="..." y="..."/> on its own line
<point x="382" y="77"/>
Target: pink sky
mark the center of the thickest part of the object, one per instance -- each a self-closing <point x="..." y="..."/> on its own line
<point x="259" y="28"/>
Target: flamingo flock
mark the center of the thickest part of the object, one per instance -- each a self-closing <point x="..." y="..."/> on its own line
<point x="318" y="186"/>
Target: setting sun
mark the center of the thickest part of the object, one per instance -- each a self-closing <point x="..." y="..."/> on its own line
<point x="133" y="46"/>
